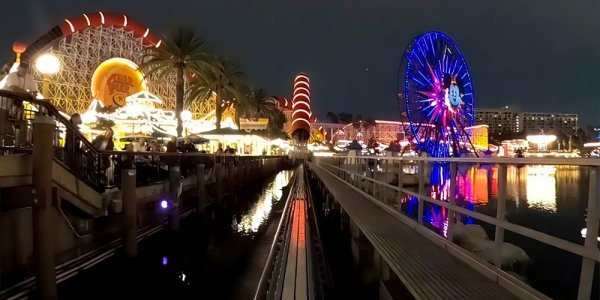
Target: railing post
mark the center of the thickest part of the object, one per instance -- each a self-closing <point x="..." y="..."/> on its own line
<point x="500" y="215"/>
<point x="4" y="126"/>
<point x="357" y="168"/>
<point x="421" y="191"/>
<point x="200" y="188"/>
<point x="129" y="199"/>
<point x="230" y="175"/>
<point x="452" y="198"/>
<point x="43" y="217"/>
<point x="174" y="195"/>
<point x="373" y="177"/>
<point x="219" y="180"/>
<point x="400" y="183"/>
<point x="587" y="264"/>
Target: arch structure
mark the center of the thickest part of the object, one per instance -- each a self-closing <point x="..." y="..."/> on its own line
<point x="82" y="43"/>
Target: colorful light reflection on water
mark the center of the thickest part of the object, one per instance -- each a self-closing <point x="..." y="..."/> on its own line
<point x="531" y="186"/>
<point x="548" y="199"/>
<point x="259" y="213"/>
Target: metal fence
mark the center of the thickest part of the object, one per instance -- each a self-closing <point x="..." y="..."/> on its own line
<point x="390" y="180"/>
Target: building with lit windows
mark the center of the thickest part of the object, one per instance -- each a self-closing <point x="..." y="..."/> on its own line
<point x="535" y="122"/>
<point x="510" y="119"/>
<point x="499" y="120"/>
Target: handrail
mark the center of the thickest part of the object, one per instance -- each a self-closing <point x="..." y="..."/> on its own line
<point x="51" y="108"/>
<point x="74" y="157"/>
<point x="498" y="160"/>
<point x="323" y="255"/>
<point x="522" y="230"/>
<point x="263" y="282"/>
<point x="79" y="156"/>
<point x="65" y="122"/>
<point x="68" y="222"/>
<point x="589" y="252"/>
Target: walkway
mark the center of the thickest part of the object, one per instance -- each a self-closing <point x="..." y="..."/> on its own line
<point x="425" y="269"/>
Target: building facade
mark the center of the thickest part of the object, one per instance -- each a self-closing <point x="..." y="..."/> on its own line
<point x="499" y="120"/>
<point x="509" y="120"/>
<point x="383" y="131"/>
<point x="536" y="122"/>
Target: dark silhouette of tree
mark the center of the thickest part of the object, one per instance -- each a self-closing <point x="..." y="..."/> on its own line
<point x="345" y="118"/>
<point x="179" y="52"/>
<point x="226" y="82"/>
<point x="333" y="118"/>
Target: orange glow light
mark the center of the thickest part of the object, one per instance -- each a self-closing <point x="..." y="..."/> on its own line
<point x="19" y="47"/>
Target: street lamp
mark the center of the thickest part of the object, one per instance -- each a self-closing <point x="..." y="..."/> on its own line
<point x="47" y="64"/>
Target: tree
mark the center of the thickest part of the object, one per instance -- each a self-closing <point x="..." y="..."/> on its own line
<point x="368" y="125"/>
<point x="266" y="106"/>
<point x="184" y="54"/>
<point x="357" y="122"/>
<point x="262" y="104"/>
<point x="225" y="80"/>
<point x="333" y="117"/>
<point x="276" y="122"/>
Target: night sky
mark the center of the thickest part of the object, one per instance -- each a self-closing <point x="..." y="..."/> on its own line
<point x="539" y="55"/>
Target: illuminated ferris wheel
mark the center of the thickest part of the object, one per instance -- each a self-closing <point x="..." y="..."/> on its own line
<point x="437" y="95"/>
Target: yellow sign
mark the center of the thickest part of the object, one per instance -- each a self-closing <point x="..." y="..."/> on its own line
<point x="253" y="123"/>
<point x="115" y="79"/>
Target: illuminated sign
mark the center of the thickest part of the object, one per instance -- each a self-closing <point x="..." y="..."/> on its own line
<point x="115" y="79"/>
<point x="253" y="123"/>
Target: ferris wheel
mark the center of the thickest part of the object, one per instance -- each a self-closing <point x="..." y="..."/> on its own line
<point x="436" y="92"/>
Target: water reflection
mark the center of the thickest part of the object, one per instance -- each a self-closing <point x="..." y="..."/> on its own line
<point x="250" y="221"/>
<point x="549" y="199"/>
<point x="531" y="187"/>
<point x="541" y="187"/>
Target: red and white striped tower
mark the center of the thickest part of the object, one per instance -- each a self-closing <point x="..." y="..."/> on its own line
<point x="302" y="114"/>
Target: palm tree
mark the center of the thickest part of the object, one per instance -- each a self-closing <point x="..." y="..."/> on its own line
<point x="263" y="104"/>
<point x="276" y="122"/>
<point x="178" y="54"/>
<point x="368" y="125"/>
<point x="225" y="80"/>
<point x="266" y="106"/>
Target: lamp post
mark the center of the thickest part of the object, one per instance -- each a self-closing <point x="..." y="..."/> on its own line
<point x="47" y="64"/>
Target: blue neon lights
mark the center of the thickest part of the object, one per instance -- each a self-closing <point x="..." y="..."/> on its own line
<point x="437" y="93"/>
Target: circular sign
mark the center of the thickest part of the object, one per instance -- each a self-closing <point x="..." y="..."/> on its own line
<point x="115" y="79"/>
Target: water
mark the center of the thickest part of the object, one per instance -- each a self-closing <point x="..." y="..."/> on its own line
<point x="204" y="260"/>
<point x="549" y="199"/>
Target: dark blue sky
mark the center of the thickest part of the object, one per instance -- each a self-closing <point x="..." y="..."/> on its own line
<point x="539" y="55"/>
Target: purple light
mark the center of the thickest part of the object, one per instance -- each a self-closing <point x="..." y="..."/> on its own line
<point x="164" y="204"/>
<point x="165" y="261"/>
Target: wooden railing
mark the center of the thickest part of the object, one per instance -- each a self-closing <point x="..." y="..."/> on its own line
<point x="98" y="169"/>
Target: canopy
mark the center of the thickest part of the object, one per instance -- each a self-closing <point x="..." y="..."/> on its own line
<point x="225" y="131"/>
<point x="194" y="139"/>
<point x="133" y="137"/>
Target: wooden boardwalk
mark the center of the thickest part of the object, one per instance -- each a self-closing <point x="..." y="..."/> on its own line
<point x="425" y="269"/>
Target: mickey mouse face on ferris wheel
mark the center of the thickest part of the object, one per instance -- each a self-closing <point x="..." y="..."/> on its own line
<point x="454" y="95"/>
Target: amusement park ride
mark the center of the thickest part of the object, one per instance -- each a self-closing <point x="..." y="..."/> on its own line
<point x="437" y="95"/>
<point x="99" y="55"/>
